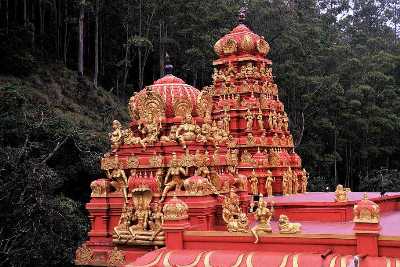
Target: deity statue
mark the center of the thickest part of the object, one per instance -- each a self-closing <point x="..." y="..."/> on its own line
<point x="285" y="122"/>
<point x="119" y="181"/>
<point x="175" y="171"/>
<point x="125" y="220"/>
<point x="141" y="216"/>
<point x="219" y="134"/>
<point x="274" y="120"/>
<point x="157" y="220"/>
<point x="253" y="183"/>
<point x="249" y="70"/>
<point x="233" y="216"/>
<point x="250" y="140"/>
<point x="151" y="130"/>
<point x="268" y="183"/>
<point x="295" y="183"/>
<point x="226" y="121"/>
<point x="290" y="181"/>
<point x="260" y="120"/>
<point x="187" y="131"/>
<point x="286" y="227"/>
<point x="115" y="136"/>
<point x="285" y="183"/>
<point x="340" y="194"/>
<point x="303" y="181"/>
<point x="249" y="119"/>
<point x="270" y="121"/>
<point x="263" y="216"/>
<point x="172" y="135"/>
<point x="237" y="101"/>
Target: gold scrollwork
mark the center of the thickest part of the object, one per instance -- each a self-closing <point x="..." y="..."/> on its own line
<point x="183" y="106"/>
<point x="230" y="46"/>
<point x="151" y="106"/>
<point x="115" y="258"/>
<point x="262" y="47"/>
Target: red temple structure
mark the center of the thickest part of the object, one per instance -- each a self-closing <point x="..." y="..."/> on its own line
<point x="211" y="178"/>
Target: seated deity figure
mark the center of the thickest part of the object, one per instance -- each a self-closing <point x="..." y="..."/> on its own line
<point x="115" y="136"/>
<point x="151" y="131"/>
<point x="219" y="134"/>
<point x="233" y="216"/>
<point x="125" y="220"/>
<point x="340" y="194"/>
<point x="206" y="130"/>
<point x="141" y="216"/>
<point x="187" y="131"/>
<point x="263" y="216"/>
<point x="157" y="220"/>
<point x="175" y="171"/>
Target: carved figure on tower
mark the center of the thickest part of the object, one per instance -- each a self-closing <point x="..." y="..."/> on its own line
<point x="115" y="136"/>
<point x="249" y="120"/>
<point x="268" y="183"/>
<point x="233" y="216"/>
<point x="253" y="183"/>
<point x="175" y="171"/>
<point x="119" y="181"/>
<point x="187" y="131"/>
<point x="263" y="217"/>
<point x="260" y="120"/>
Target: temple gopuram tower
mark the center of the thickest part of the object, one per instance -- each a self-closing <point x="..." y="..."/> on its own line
<point x="246" y="100"/>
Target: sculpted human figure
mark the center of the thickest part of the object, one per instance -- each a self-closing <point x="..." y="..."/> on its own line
<point x="219" y="134"/>
<point x="249" y="120"/>
<point x="254" y="183"/>
<point x="270" y="121"/>
<point x="151" y="131"/>
<point x="303" y="181"/>
<point x="289" y="181"/>
<point x="157" y="220"/>
<point x="263" y="216"/>
<point x="285" y="183"/>
<point x="295" y="183"/>
<point x="119" y="181"/>
<point x="260" y="120"/>
<point x="115" y="136"/>
<point x="175" y="172"/>
<point x="187" y="131"/>
<point x="226" y="120"/>
<point x="125" y="220"/>
<point x="268" y="183"/>
<point x="141" y="216"/>
<point x="340" y="194"/>
<point x="233" y="216"/>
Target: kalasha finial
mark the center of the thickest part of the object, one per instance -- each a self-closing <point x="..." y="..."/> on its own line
<point x="168" y="68"/>
<point x="243" y="12"/>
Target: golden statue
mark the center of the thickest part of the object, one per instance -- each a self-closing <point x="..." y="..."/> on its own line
<point x="274" y="120"/>
<point x="119" y="181"/>
<point x="233" y="216"/>
<point x="263" y="216"/>
<point x="270" y="121"/>
<point x="286" y="227"/>
<point x="268" y="183"/>
<point x="187" y="131"/>
<point x="151" y="131"/>
<point x="115" y="136"/>
<point x="340" y="194"/>
<point x="249" y="120"/>
<point x="303" y="181"/>
<point x="226" y="121"/>
<point x="295" y="183"/>
<point x="175" y="171"/>
<point x="157" y="220"/>
<point x="253" y="183"/>
<point x="260" y="120"/>
<point x="125" y="220"/>
<point x="141" y="216"/>
<point x="285" y="183"/>
<point x="172" y="135"/>
<point x="285" y="122"/>
<point x="219" y="134"/>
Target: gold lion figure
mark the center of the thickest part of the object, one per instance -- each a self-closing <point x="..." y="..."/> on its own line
<point x="286" y="227"/>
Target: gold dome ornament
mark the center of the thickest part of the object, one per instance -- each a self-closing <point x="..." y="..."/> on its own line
<point x="247" y="44"/>
<point x="218" y="49"/>
<point x="262" y="46"/>
<point x="175" y="209"/>
<point x="230" y="46"/>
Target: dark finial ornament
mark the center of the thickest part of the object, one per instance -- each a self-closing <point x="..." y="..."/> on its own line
<point x="243" y="12"/>
<point x="169" y="68"/>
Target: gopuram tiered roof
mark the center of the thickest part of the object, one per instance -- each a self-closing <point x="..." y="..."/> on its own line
<point x="210" y="178"/>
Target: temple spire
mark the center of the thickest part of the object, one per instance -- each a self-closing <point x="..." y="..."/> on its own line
<point x="168" y="68"/>
<point x="243" y="12"/>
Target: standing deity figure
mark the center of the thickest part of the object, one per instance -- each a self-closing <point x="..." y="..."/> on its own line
<point x="119" y="181"/>
<point x="233" y="216"/>
<point x="187" y="131"/>
<point x="295" y="183"/>
<point x="249" y="119"/>
<point x="260" y="120"/>
<point x="340" y="194"/>
<point x="226" y="120"/>
<point x="115" y="136"/>
<point x="285" y="122"/>
<point x="253" y="183"/>
<point x="175" y="171"/>
<point x="285" y="182"/>
<point x="157" y="220"/>
<point x="274" y="120"/>
<point x="263" y="216"/>
<point x="304" y="181"/>
<point x="270" y="121"/>
<point x="268" y="183"/>
<point x="141" y="216"/>
<point x="125" y="220"/>
<point x="290" y="181"/>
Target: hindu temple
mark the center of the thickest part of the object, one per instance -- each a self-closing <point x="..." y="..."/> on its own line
<point x="210" y="178"/>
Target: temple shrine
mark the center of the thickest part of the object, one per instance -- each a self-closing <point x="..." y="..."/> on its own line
<point x="210" y="178"/>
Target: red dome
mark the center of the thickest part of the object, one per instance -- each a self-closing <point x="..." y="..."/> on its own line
<point x="241" y="40"/>
<point x="168" y="97"/>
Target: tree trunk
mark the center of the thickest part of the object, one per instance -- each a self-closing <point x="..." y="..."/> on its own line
<point x="7" y="17"/>
<point x="96" y="47"/>
<point x="161" y="50"/>
<point x="334" y="149"/>
<point x="25" y="19"/>
<point x="41" y="20"/>
<point x="80" y="56"/>
<point x="65" y="32"/>
<point x="126" y="57"/>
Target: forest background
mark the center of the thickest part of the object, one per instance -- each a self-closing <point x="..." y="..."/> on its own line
<point x="67" y="69"/>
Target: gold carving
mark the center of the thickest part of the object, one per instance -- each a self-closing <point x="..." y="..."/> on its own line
<point x="187" y="131"/>
<point x="218" y="47"/>
<point x="247" y="43"/>
<point x="183" y="106"/>
<point x="84" y="255"/>
<point x="263" y="46"/>
<point x="116" y="136"/>
<point x="230" y="46"/>
<point x="249" y="120"/>
<point x="286" y="227"/>
<point x="100" y="188"/>
<point x="156" y="161"/>
<point x="175" y="171"/>
<point x="115" y="258"/>
<point x="268" y="183"/>
<point x="151" y="107"/>
<point x="263" y="216"/>
<point x="366" y="211"/>
<point x="235" y="219"/>
<point x="247" y="158"/>
<point x="133" y="162"/>
<point x="340" y="194"/>
<point x="253" y="183"/>
<point x="204" y="102"/>
<point x="119" y="181"/>
<point x="175" y="209"/>
<point x="250" y="140"/>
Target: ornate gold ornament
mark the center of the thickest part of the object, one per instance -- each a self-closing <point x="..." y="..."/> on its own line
<point x="263" y="217"/>
<point x="218" y="47"/>
<point x="204" y="102"/>
<point x="175" y="209"/>
<point x="132" y="109"/>
<point x="230" y="46"/>
<point x="84" y="255"/>
<point x="262" y="46"/>
<point x="100" y="188"/>
<point x="116" y="136"/>
<point x="366" y="211"/>
<point x="182" y="106"/>
<point x="116" y="257"/>
<point x="253" y="180"/>
<point x="151" y="106"/>
<point x="247" y="158"/>
<point x="268" y="183"/>
<point x="286" y="227"/>
<point x="247" y="43"/>
<point x="133" y="162"/>
<point x="250" y="140"/>
<point x="231" y="157"/>
<point x="175" y="171"/>
<point x="129" y="138"/>
<point x="108" y="163"/>
<point x="156" y="161"/>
